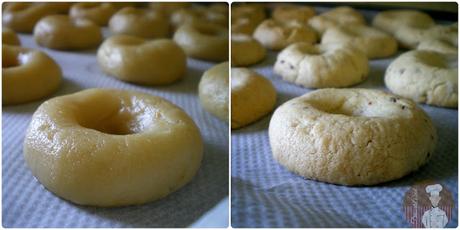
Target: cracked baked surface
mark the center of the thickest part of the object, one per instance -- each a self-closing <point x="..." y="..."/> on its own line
<point x="351" y="136"/>
<point x="322" y="66"/>
<point x="425" y="76"/>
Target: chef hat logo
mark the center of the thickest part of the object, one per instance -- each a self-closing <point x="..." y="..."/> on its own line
<point x="434" y="189"/>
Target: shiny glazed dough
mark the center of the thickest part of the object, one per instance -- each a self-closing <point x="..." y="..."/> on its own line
<point x="9" y="37"/>
<point x="351" y="136"/>
<point x="107" y="147"/>
<point x="213" y="90"/>
<point x="27" y="75"/>
<point x="98" y="13"/>
<point x="64" y="33"/>
<point x="203" y="41"/>
<point x="139" y="22"/>
<point x="150" y="62"/>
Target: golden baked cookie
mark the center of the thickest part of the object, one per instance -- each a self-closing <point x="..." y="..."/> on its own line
<point x="27" y="75"/>
<point x="276" y="35"/>
<point x="322" y="66"/>
<point x="64" y="33"/>
<point x="351" y="136"/>
<point x="253" y="96"/>
<point x="136" y="60"/>
<point x="425" y="76"/>
<point x="213" y="90"/>
<point x="109" y="147"/>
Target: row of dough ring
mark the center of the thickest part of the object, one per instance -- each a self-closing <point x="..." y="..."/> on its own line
<point x="310" y="135"/>
<point x="111" y="147"/>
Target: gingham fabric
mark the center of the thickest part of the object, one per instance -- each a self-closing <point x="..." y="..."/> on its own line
<point x="26" y="203"/>
<point x="265" y="194"/>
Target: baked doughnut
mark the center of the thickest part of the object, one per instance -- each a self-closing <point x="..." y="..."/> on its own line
<point x="374" y="43"/>
<point x="139" y="22"/>
<point x="351" y="136"/>
<point x="108" y="147"/>
<point x="342" y="15"/>
<point x="167" y="8"/>
<point x="203" y="41"/>
<point x="9" y="37"/>
<point x="99" y="13"/>
<point x="289" y="13"/>
<point x="411" y="37"/>
<point x="213" y="90"/>
<point x="275" y="35"/>
<point x="136" y="60"/>
<point x="390" y="20"/>
<point x="64" y="33"/>
<point x="253" y="96"/>
<point x="425" y="76"/>
<point x="27" y="75"/>
<point x="22" y="17"/>
<point x="246" y="50"/>
<point x="322" y="66"/>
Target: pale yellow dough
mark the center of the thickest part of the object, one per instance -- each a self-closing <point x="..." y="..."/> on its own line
<point x="391" y="20"/>
<point x="99" y="13"/>
<point x="253" y="96"/>
<point x="150" y="62"/>
<point x="9" y="37"/>
<point x="293" y="13"/>
<point x="351" y="136"/>
<point x="22" y="16"/>
<point x="425" y="76"/>
<point x="246" y="18"/>
<point x="145" y="23"/>
<point x="108" y="147"/>
<point x="246" y="50"/>
<point x="213" y="90"/>
<point x="27" y="75"/>
<point x="203" y="41"/>
<point x="64" y="33"/>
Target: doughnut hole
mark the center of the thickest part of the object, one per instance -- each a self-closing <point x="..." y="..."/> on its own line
<point x="110" y="115"/>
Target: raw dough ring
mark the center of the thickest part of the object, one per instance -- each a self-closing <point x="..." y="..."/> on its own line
<point x="425" y="76"/>
<point x="253" y="96"/>
<point x="22" y="16"/>
<point x="64" y="33"/>
<point x="27" y="75"/>
<point x="98" y="13"/>
<point x="351" y="136"/>
<point x="374" y="43"/>
<point x="139" y="22"/>
<point x="275" y="35"/>
<point x="322" y="66"/>
<point x="108" y="147"/>
<point x="150" y="62"/>
<point x="213" y="90"/>
<point x="342" y="15"/>
<point x="246" y="50"/>
<point x="391" y="20"/>
<point x="9" y="37"/>
<point x="203" y="41"/>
